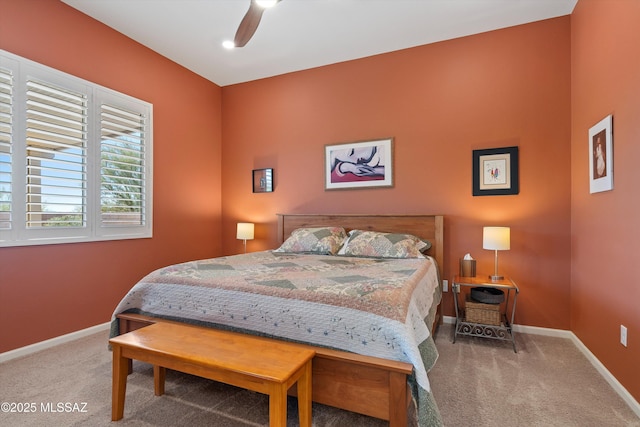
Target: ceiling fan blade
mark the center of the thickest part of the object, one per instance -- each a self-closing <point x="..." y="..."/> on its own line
<point x="248" y="25"/>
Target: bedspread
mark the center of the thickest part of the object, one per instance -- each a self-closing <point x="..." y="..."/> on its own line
<point x="371" y="306"/>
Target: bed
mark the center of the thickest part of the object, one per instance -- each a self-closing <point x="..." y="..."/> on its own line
<point x="370" y="320"/>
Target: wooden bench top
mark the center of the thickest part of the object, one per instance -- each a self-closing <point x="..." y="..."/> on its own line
<point x="211" y="348"/>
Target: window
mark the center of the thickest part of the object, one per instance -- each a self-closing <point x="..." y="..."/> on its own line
<point x="75" y="158"/>
<point x="56" y="156"/>
<point x="121" y="167"/>
<point x="6" y="102"/>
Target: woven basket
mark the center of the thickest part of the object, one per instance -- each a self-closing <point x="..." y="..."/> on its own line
<point x="477" y="312"/>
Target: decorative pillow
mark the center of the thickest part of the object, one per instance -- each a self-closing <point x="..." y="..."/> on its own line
<point x="382" y="245"/>
<point x="321" y="240"/>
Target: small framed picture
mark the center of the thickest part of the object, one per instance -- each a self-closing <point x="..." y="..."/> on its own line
<point x="495" y="171"/>
<point x="601" y="156"/>
<point x="359" y="164"/>
<point x="263" y="180"/>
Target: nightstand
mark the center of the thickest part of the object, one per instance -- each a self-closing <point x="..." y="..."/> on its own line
<point x="502" y="329"/>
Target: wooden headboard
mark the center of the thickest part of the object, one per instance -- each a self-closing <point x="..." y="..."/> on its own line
<point x="429" y="227"/>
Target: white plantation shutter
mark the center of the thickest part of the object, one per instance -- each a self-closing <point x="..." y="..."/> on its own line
<point x="75" y="158"/>
<point x="122" y="167"/>
<point x="6" y="101"/>
<point x="56" y="156"/>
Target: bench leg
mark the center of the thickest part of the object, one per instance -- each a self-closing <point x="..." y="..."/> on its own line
<point x="304" y="396"/>
<point x="278" y="405"/>
<point x="159" y="374"/>
<point x="119" y="383"/>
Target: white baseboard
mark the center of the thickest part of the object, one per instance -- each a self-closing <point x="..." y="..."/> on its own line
<point x="449" y="319"/>
<point x="561" y="333"/>
<point x="608" y="376"/>
<point x="42" y="345"/>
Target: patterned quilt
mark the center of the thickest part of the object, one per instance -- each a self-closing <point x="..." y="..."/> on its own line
<point x="371" y="306"/>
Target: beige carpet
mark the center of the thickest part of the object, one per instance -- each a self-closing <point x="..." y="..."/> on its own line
<point x="476" y="383"/>
<point x="549" y="382"/>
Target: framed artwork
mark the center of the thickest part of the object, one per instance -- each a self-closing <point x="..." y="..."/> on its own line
<point x="263" y="180"/>
<point x="495" y="172"/>
<point x="601" y="156"/>
<point x="362" y="164"/>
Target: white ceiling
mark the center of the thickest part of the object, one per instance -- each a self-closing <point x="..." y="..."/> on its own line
<point x="301" y="34"/>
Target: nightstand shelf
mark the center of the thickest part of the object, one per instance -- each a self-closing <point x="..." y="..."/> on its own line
<point x="503" y="331"/>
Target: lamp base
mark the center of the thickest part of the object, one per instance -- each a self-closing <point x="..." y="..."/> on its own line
<point x="496" y="278"/>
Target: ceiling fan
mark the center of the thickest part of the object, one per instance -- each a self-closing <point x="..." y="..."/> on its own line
<point x="251" y="19"/>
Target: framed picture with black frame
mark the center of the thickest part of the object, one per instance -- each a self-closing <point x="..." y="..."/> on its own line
<point x="263" y="180"/>
<point x="495" y="172"/>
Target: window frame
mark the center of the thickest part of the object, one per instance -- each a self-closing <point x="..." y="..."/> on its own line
<point x="93" y="230"/>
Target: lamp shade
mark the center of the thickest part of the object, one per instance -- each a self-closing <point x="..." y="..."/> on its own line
<point x="496" y="238"/>
<point x="245" y="231"/>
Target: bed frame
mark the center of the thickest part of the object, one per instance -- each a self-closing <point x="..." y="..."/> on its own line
<point x="340" y="378"/>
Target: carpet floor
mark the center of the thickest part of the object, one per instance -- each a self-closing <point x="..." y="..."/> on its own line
<point x="476" y="383"/>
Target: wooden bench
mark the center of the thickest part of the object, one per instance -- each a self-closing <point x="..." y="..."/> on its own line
<point x="367" y="385"/>
<point x="254" y="363"/>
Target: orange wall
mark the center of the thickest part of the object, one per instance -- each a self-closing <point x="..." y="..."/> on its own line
<point x="47" y="291"/>
<point x="605" y="289"/>
<point x="439" y="102"/>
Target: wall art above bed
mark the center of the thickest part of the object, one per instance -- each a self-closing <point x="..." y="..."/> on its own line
<point x="361" y="164"/>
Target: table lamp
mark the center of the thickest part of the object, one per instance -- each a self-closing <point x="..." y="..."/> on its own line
<point x="497" y="239"/>
<point x="245" y="232"/>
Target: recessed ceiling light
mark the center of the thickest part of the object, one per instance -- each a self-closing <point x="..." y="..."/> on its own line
<point x="228" y="44"/>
